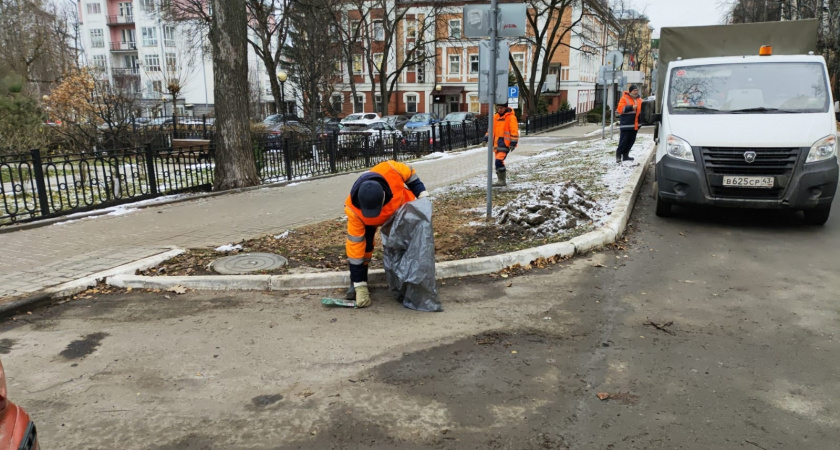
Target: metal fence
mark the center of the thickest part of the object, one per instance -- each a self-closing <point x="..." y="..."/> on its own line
<point x="38" y="185"/>
<point x="534" y="124"/>
<point x="35" y="186"/>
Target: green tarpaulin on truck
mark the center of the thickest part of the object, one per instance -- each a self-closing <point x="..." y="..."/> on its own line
<point x="793" y="37"/>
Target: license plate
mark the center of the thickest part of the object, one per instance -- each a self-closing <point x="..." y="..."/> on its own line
<point x="748" y="182"/>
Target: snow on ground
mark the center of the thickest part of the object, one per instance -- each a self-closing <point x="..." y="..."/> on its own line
<point x="228" y="248"/>
<point x="576" y="184"/>
<point x="121" y="209"/>
<point x="282" y="235"/>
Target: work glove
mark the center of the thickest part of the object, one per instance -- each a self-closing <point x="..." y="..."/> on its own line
<point x="362" y="294"/>
<point x="512" y="148"/>
<point x="484" y="138"/>
<point x="423" y="194"/>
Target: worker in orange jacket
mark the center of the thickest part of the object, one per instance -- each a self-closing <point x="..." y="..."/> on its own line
<point x="375" y="196"/>
<point x="629" y="108"/>
<point x="505" y="139"/>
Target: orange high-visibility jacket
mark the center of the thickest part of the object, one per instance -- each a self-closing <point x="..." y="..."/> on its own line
<point x="629" y="119"/>
<point x="505" y="127"/>
<point x="396" y="175"/>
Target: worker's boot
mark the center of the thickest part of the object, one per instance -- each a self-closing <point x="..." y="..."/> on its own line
<point x="502" y="175"/>
<point x="351" y="293"/>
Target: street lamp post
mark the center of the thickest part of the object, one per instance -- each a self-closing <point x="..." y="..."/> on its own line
<point x="281" y="77"/>
<point x="437" y="89"/>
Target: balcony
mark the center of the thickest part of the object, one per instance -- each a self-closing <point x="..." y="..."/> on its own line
<point x="123" y="46"/>
<point x="126" y="72"/>
<point x="121" y="20"/>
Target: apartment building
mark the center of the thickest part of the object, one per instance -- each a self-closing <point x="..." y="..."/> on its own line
<point x="131" y="45"/>
<point x="448" y="81"/>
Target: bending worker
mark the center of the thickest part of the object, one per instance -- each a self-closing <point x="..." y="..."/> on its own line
<point x="505" y="138"/>
<point x="373" y="199"/>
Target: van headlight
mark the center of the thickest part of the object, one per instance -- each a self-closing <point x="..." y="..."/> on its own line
<point x="823" y="149"/>
<point x="678" y="148"/>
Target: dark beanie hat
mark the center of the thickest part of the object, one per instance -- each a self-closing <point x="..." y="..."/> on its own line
<point x="632" y="88"/>
<point x="371" y="195"/>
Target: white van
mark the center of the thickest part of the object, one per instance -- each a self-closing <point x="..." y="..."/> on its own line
<point x="747" y="131"/>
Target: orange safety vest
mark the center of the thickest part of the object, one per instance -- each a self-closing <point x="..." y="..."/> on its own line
<point x="505" y="127"/>
<point x="396" y="174"/>
<point x="626" y="120"/>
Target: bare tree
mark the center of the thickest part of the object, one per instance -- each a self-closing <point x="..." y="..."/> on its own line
<point x="227" y="29"/>
<point x="373" y="33"/>
<point x="173" y="73"/>
<point x="35" y="42"/>
<point x="634" y="37"/>
<point x="549" y="31"/>
<point x="314" y="56"/>
<point x="268" y="21"/>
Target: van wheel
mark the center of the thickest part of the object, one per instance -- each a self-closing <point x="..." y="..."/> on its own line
<point x="663" y="208"/>
<point x="817" y="216"/>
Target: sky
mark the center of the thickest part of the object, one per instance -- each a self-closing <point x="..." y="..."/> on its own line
<point x="680" y="13"/>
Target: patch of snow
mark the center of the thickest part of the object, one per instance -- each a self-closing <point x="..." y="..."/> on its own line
<point x="121" y="210"/>
<point x="228" y="248"/>
<point x="548" y="210"/>
<point x="282" y="235"/>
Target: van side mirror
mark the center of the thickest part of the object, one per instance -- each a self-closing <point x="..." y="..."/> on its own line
<point x="648" y="116"/>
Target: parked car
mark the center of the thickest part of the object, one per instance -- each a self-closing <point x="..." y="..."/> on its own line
<point x="277" y="131"/>
<point x="397" y="121"/>
<point x="278" y="118"/>
<point x="378" y="128"/>
<point x="459" y="117"/>
<point x="328" y="125"/>
<point x="360" y="118"/>
<point x="17" y="430"/>
<point x="421" y="120"/>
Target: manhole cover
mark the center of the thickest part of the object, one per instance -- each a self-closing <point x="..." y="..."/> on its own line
<point x="248" y="262"/>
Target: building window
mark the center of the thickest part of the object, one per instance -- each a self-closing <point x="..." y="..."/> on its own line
<point x="148" y="5"/>
<point x="336" y="102"/>
<point x="411" y="103"/>
<point x="100" y="62"/>
<point x="169" y="35"/>
<point x="475" y="105"/>
<point x="454" y="64"/>
<point x="97" y="38"/>
<point x="149" y="36"/>
<point x="127" y="10"/>
<point x="377" y="61"/>
<point x="157" y="86"/>
<point x="171" y="62"/>
<point x="152" y="63"/>
<point x="94" y="8"/>
<point x="378" y="31"/>
<point x="410" y="29"/>
<point x="357" y="63"/>
<point x="455" y="29"/>
<point x="519" y="60"/>
<point x="359" y="104"/>
<point x="377" y="99"/>
<point x="473" y="64"/>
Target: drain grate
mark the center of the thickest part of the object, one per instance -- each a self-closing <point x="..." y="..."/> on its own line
<point x="248" y="262"/>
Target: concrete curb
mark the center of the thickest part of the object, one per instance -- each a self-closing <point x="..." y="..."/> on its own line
<point x="612" y="229"/>
<point x="51" y="294"/>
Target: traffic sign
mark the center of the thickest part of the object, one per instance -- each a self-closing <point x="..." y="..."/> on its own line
<point x="510" y="20"/>
<point x="500" y="96"/>
<point x="614" y="60"/>
<point x="513" y="92"/>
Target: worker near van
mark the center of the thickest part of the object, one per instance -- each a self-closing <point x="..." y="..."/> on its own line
<point x="375" y="196"/>
<point x="505" y="139"/>
<point x="629" y="108"/>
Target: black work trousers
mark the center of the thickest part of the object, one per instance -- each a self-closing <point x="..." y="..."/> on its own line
<point x="625" y="143"/>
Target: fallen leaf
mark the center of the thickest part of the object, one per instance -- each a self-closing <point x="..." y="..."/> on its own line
<point x="603" y="395"/>
<point x="504" y="275"/>
<point x="513" y="351"/>
<point x="510" y="284"/>
<point x="306" y="393"/>
<point x="129" y="289"/>
<point x="167" y="297"/>
<point x="178" y="289"/>
<point x="599" y="265"/>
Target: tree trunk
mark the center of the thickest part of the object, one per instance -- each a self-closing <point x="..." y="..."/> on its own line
<point x="235" y="166"/>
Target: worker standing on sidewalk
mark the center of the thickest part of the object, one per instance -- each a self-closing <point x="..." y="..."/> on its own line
<point x="629" y="108"/>
<point x="373" y="199"/>
<point x="505" y="139"/>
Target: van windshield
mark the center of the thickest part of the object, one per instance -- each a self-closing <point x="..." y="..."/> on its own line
<point x="757" y="88"/>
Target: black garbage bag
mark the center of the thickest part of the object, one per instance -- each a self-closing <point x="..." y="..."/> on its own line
<point x="408" y="247"/>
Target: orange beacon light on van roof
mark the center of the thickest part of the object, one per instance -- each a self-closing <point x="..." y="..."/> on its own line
<point x="765" y="50"/>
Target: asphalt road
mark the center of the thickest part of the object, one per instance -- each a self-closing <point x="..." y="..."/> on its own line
<point x="745" y="355"/>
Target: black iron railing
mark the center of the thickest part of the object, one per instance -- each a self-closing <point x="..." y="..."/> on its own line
<point x="534" y="124"/>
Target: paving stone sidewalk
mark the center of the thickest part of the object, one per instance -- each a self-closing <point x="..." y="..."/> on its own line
<point x="39" y="258"/>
